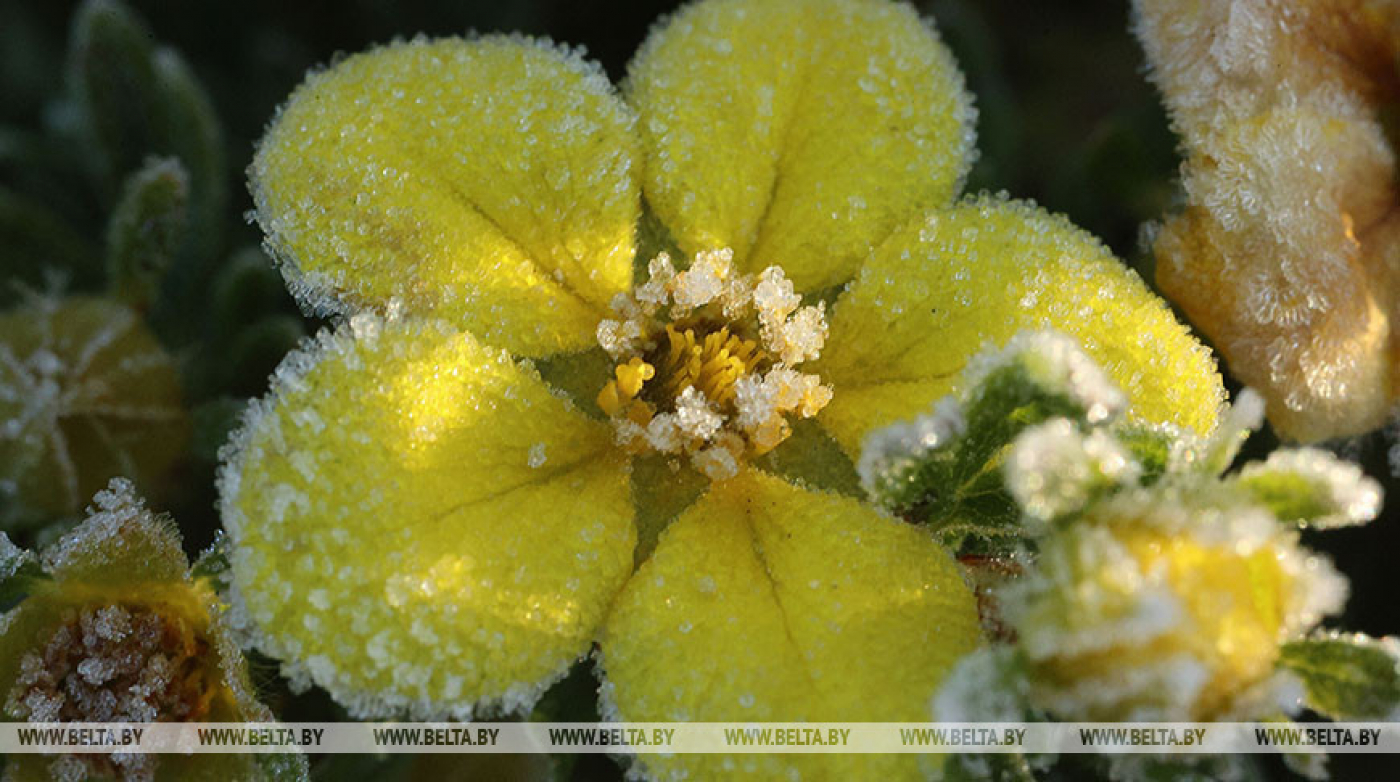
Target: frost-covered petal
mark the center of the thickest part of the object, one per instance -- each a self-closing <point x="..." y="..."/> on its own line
<point x="799" y="133"/>
<point x="1285" y="255"/>
<point x="767" y="602"/>
<point x="420" y="525"/>
<point x="946" y="283"/>
<point x="492" y="181"/>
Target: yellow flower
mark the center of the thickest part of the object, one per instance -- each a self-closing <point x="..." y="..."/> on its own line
<point x="1285" y="252"/>
<point x="441" y="504"/>
<point x="116" y="630"/>
<point x="86" y="393"/>
<point x="1169" y="604"/>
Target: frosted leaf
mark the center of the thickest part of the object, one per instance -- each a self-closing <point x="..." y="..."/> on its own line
<point x="1312" y="488"/>
<point x="1054" y="469"/>
<point x="897" y="448"/>
<point x="1056" y="364"/>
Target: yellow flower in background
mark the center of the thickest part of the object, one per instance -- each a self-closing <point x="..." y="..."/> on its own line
<point x="1285" y="255"/>
<point x="442" y="503"/>
<point x="86" y="393"/>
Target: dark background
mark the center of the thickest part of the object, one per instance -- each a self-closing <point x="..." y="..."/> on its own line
<point x="1067" y="118"/>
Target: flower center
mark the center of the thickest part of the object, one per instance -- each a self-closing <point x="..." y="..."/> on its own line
<point x="705" y="362"/>
<point x="115" y="663"/>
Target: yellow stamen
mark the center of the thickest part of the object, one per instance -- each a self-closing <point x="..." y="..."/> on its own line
<point x="712" y="364"/>
<point x="630" y="379"/>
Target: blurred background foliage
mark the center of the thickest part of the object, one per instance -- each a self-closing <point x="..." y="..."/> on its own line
<point x="124" y="138"/>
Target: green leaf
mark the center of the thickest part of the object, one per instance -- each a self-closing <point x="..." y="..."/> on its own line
<point x="1312" y="488"/>
<point x="190" y="129"/>
<point x="145" y="231"/>
<point x="213" y="565"/>
<point x="1347" y="676"/>
<point x="114" y="83"/>
<point x="211" y="422"/>
<point x="246" y="287"/>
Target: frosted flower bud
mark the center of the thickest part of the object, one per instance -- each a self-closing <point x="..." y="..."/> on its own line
<point x="1168" y="604"/>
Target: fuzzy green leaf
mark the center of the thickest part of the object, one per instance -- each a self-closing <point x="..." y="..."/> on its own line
<point x="1347" y="676"/>
<point x="145" y="230"/>
<point x="114" y="82"/>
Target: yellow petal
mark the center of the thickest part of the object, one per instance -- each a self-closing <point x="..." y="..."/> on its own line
<point x="420" y="525"/>
<point x="944" y="285"/>
<point x="798" y="132"/>
<point x="767" y="602"/>
<point x="492" y="182"/>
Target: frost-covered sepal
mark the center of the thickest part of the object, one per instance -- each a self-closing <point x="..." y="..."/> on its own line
<point x="1312" y="488"/>
<point x="1347" y="676"/>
